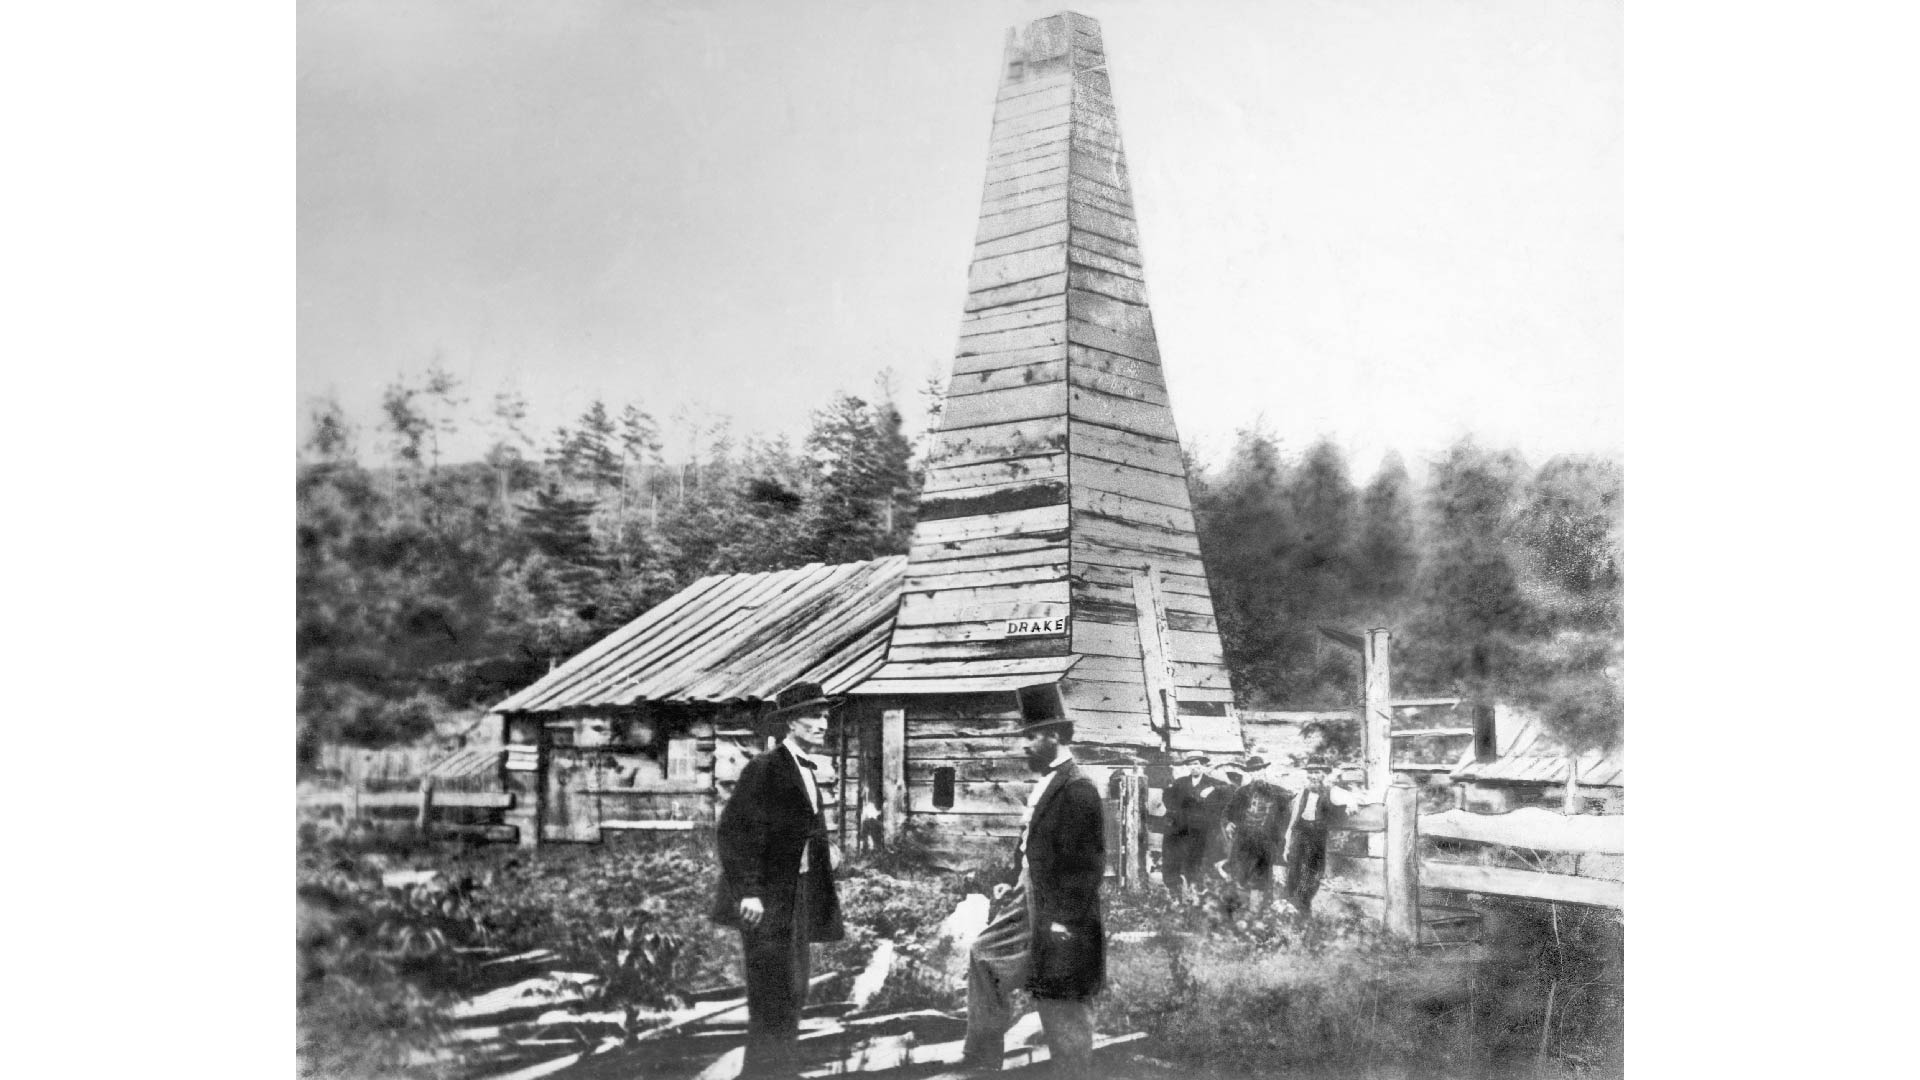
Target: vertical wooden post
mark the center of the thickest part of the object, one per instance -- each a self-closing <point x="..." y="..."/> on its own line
<point x="1570" y="799"/>
<point x="893" y="773"/>
<point x="1402" y="875"/>
<point x="425" y="819"/>
<point x="1376" y="709"/>
<point x="1132" y="856"/>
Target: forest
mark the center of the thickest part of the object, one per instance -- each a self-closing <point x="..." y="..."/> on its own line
<point x="428" y="590"/>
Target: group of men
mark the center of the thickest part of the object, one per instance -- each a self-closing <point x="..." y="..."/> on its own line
<point x="1046" y="936"/>
<point x="1247" y="827"/>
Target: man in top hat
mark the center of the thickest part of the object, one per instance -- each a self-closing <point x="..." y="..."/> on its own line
<point x="776" y="877"/>
<point x="1048" y="936"/>
<point x="1194" y="805"/>
<point x="1314" y="808"/>
<point x="1257" y="816"/>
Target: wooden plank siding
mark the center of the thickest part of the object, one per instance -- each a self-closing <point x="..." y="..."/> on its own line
<point x="1055" y="473"/>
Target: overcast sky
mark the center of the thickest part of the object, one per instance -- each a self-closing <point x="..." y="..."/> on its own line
<point x="1389" y="221"/>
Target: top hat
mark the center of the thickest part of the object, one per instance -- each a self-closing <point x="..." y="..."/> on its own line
<point x="1038" y="726"/>
<point x="800" y="695"/>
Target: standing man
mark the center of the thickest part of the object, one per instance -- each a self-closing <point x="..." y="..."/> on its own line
<point x="1194" y="805"/>
<point x="1306" y="844"/>
<point x="1048" y="937"/>
<point x="776" y="878"/>
<point x="1257" y="815"/>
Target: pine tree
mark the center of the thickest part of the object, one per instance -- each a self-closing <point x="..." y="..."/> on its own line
<point x="593" y="453"/>
<point x="559" y="527"/>
<point x="1386" y="556"/>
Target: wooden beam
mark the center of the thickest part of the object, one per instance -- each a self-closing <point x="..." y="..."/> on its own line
<point x="1376" y="708"/>
<point x="1402" y="861"/>
<point x="1565" y="888"/>
<point x="893" y="772"/>
<point x="1534" y="828"/>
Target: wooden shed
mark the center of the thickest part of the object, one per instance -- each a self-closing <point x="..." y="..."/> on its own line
<point x="1515" y="764"/>
<point x="1054" y="567"/>
<point x="651" y="725"/>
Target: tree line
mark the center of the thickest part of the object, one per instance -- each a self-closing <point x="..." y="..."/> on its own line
<point x="429" y="589"/>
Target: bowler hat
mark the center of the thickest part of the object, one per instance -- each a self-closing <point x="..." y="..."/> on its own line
<point x="1255" y="763"/>
<point x="1195" y="757"/>
<point x="800" y="695"/>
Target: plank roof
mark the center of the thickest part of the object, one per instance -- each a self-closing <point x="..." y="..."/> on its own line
<point x="735" y="637"/>
<point x="1527" y="755"/>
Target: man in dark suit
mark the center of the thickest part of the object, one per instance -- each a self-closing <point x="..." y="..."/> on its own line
<point x="1314" y="810"/>
<point x="1194" y="805"/>
<point x="1257" y="817"/>
<point x="1048" y="936"/>
<point x="776" y="878"/>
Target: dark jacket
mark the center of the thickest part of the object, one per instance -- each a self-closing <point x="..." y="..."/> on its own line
<point x="763" y="829"/>
<point x="1193" y="806"/>
<point x="1066" y="860"/>
<point x="1244" y="812"/>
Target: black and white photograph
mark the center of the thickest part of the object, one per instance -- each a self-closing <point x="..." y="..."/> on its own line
<point x="934" y="540"/>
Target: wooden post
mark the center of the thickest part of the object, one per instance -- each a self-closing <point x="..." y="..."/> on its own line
<point x="425" y="820"/>
<point x="893" y="773"/>
<point x="1402" y="871"/>
<point x="1133" y="833"/>
<point x="1570" y="799"/>
<point x="1376" y="709"/>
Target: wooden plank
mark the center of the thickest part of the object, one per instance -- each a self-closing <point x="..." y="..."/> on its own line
<point x="1105" y="164"/>
<point x="1156" y="654"/>
<point x="1112" y="226"/>
<point x="1532" y="827"/>
<point x="1106" y="639"/>
<point x="1148" y="392"/>
<point x="1007" y="768"/>
<point x="1085" y="194"/>
<point x="1030" y="401"/>
<point x="990" y="631"/>
<point x="1134" y="536"/>
<point x="998" y="442"/>
<point x="893" y="772"/>
<point x="1048" y="162"/>
<point x="1022" y="470"/>
<point x="1119" y="250"/>
<point x="1081" y="332"/>
<point x="998" y="603"/>
<point x="1114" y="696"/>
<point x="1056" y="95"/>
<point x="1564" y="888"/>
<point x="1121" y="413"/>
<point x="1019" y="337"/>
<point x="1023" y="290"/>
<point x="1089" y="551"/>
<point x="1099" y="581"/>
<point x="1007" y="378"/>
<point x="971" y="580"/>
<point x="1122" y="507"/>
<point x="1040" y="520"/>
<point x="996" y="270"/>
<point x="984" y="649"/>
<point x="1083" y="185"/>
<point x="1042" y="196"/>
<point x="995" y="226"/>
<point x="1035" y="85"/>
<point x="1121" y="315"/>
<point x="985" y="548"/>
<point x="1027" y="147"/>
<point x="1096" y="474"/>
<point x="1043" y="119"/>
<point x="1081" y="255"/>
<point x="970" y="363"/>
<point x="1009" y="316"/>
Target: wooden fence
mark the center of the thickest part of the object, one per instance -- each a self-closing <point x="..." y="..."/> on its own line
<point x="1391" y="852"/>
<point x="473" y="814"/>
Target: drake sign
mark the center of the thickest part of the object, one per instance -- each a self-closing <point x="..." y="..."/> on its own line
<point x="1035" y="627"/>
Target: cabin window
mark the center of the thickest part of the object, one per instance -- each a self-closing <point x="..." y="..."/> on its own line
<point x="1485" y="743"/>
<point x="680" y="759"/>
<point x="943" y="788"/>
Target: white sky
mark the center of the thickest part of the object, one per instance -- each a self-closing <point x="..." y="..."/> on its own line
<point x="1391" y="221"/>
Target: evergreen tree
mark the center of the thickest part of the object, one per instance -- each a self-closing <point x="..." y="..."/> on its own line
<point x="1470" y="609"/>
<point x="1386" y="556"/>
<point x="331" y="440"/>
<point x="862" y="482"/>
<point x="558" y="526"/>
<point x="1247" y="535"/>
<point x="408" y="426"/>
<point x="592" y="453"/>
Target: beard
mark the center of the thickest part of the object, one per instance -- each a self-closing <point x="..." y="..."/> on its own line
<point x="1038" y="758"/>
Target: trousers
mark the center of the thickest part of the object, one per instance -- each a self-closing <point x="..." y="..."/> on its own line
<point x="997" y="966"/>
<point x="779" y="963"/>
<point x="1306" y="863"/>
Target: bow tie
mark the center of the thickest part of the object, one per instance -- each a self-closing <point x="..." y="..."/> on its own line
<point x="806" y="763"/>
